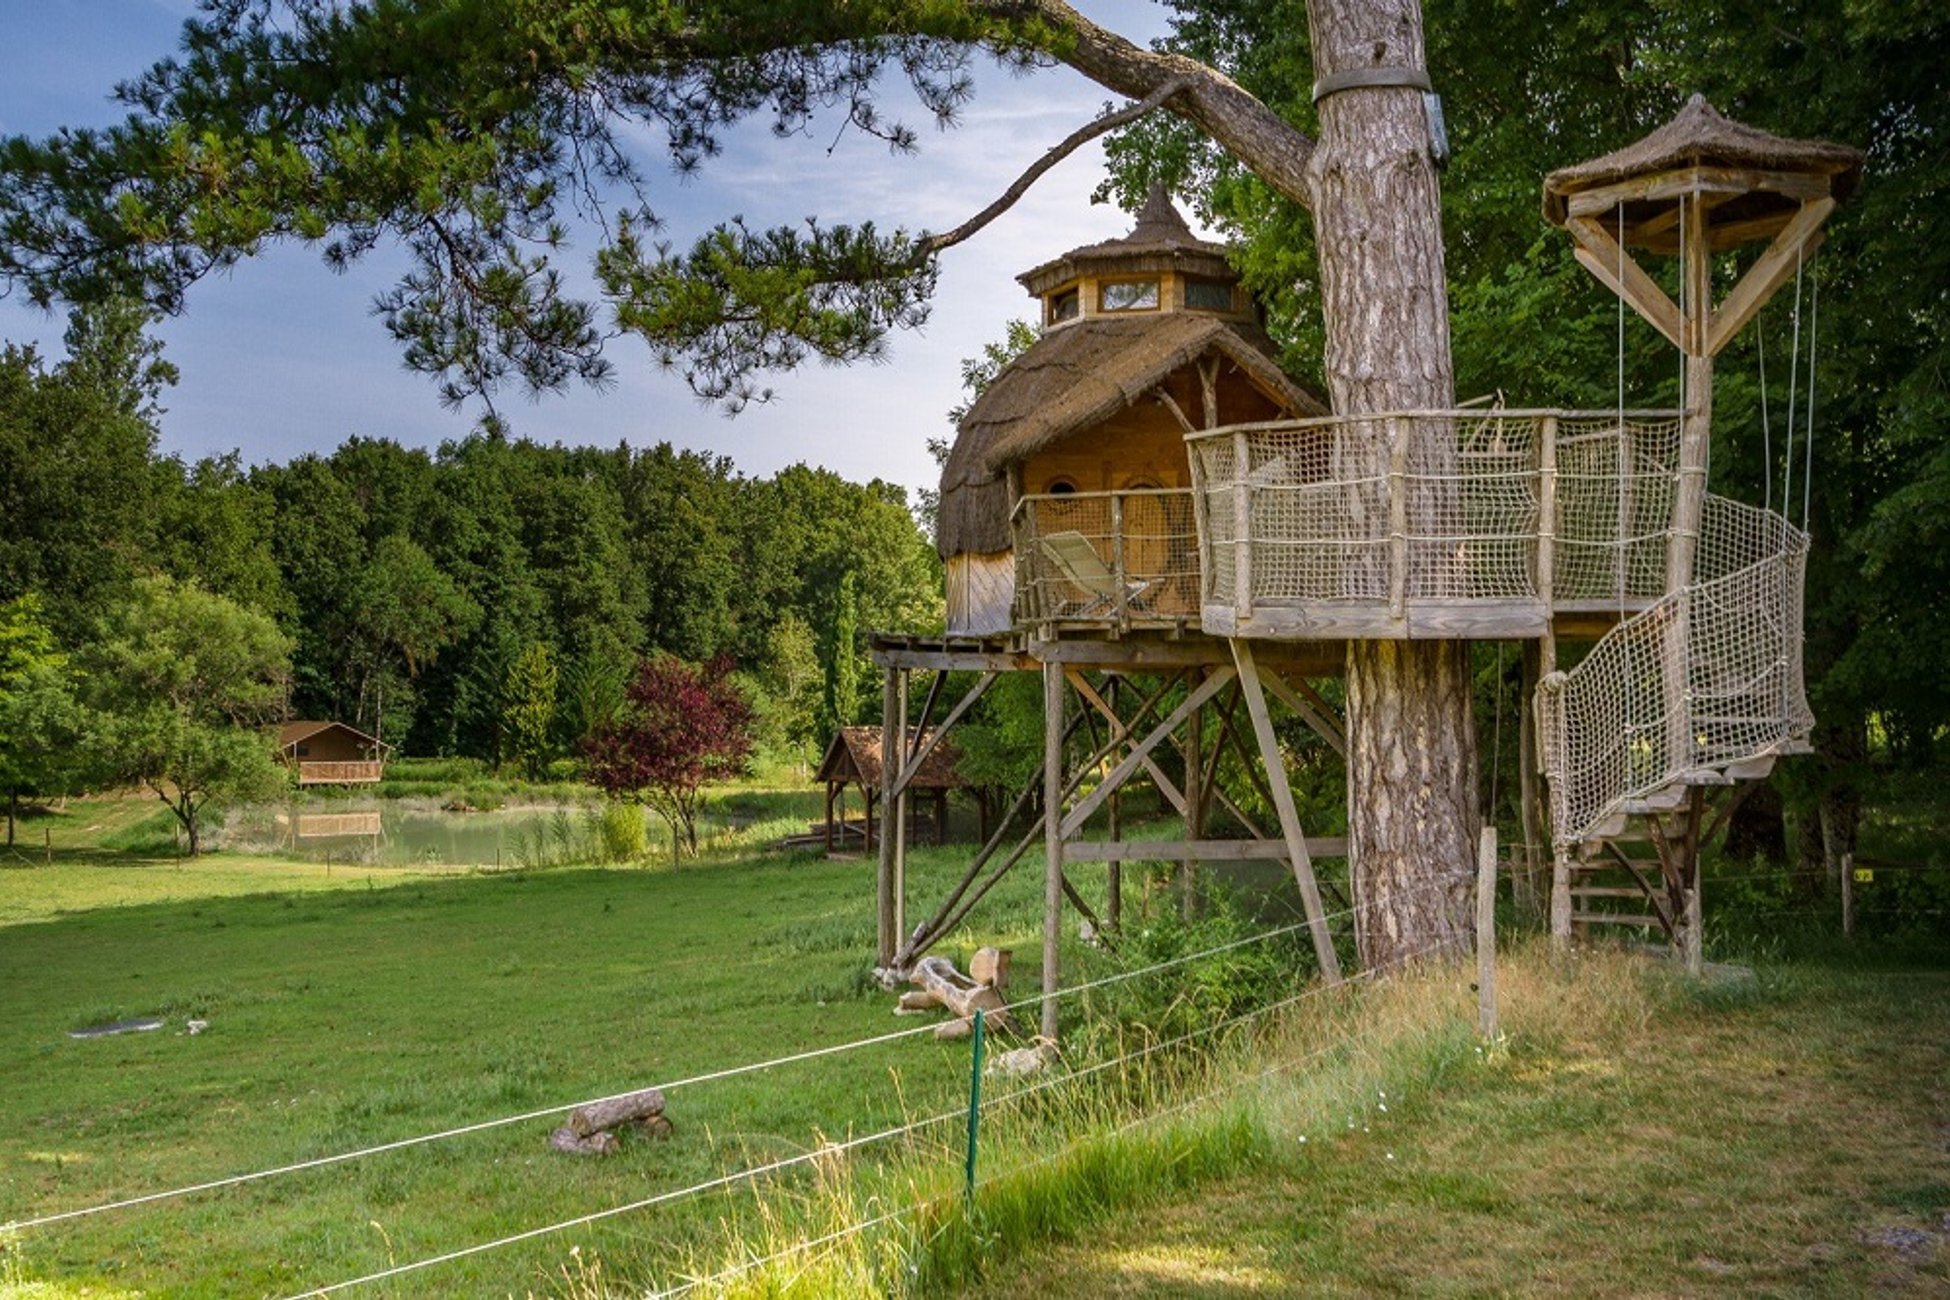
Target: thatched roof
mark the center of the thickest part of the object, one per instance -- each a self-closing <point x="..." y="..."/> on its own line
<point x="1161" y="241"/>
<point x="1074" y="377"/>
<point x="854" y="756"/>
<point x="1700" y="136"/>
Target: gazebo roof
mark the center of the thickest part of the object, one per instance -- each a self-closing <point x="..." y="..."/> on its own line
<point x="1071" y="379"/>
<point x="1160" y="241"/>
<point x="854" y="756"/>
<point x="1700" y="136"/>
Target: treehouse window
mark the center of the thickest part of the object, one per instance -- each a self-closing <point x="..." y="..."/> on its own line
<point x="1128" y="295"/>
<point x="1063" y="306"/>
<point x="304" y="751"/>
<point x="1208" y="295"/>
<point x="1061" y="487"/>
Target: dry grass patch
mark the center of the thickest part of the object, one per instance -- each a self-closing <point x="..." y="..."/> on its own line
<point x="1638" y="1137"/>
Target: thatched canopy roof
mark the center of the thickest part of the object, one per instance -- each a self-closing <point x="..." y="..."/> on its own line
<point x="1701" y="137"/>
<point x="1161" y="241"/>
<point x="854" y="757"/>
<point x="1072" y="378"/>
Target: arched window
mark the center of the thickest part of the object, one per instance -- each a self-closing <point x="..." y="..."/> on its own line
<point x="1061" y="487"/>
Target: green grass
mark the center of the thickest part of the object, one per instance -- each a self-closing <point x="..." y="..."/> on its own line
<point x="1781" y="1140"/>
<point x="347" y="1011"/>
<point x="361" y="1007"/>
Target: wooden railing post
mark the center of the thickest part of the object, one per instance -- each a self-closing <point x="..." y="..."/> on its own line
<point x="1242" y="526"/>
<point x="1117" y="558"/>
<point x="1547" y="513"/>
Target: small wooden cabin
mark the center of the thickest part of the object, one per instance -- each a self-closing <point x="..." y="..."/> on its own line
<point x="1068" y="492"/>
<point x="854" y="759"/>
<point x="331" y="753"/>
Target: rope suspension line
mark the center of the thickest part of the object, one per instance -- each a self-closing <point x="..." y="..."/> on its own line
<point x="1794" y="388"/>
<point x="1808" y="452"/>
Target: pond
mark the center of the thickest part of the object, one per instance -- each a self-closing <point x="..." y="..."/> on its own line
<point x="416" y="832"/>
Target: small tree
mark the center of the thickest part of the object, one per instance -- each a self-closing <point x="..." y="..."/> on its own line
<point x="184" y="682"/>
<point x="528" y="709"/>
<point x="842" y="694"/>
<point x="681" y="726"/>
<point x="39" y="718"/>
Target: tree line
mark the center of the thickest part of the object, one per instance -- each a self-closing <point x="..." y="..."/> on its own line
<point x="488" y="598"/>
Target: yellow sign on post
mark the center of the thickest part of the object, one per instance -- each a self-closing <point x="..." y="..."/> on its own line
<point x="1864" y="874"/>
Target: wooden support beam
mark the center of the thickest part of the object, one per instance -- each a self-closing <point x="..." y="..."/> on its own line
<point x="1166" y="786"/>
<point x="1122" y="772"/>
<point x="1321" y="846"/>
<point x="1319" y="716"/>
<point x="927" y="745"/>
<point x="889" y="935"/>
<point x="1790" y="249"/>
<point x="1296" y="844"/>
<point x="897" y="809"/>
<point x="1053" y="837"/>
<point x="1600" y="254"/>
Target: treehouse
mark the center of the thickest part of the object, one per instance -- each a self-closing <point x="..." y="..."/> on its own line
<point x="1143" y="508"/>
<point x="1067" y="496"/>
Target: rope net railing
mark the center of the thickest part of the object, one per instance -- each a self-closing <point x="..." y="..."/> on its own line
<point x="1126" y="557"/>
<point x="1465" y="505"/>
<point x="1706" y="677"/>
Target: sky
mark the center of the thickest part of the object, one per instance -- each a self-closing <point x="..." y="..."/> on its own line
<point x="282" y="355"/>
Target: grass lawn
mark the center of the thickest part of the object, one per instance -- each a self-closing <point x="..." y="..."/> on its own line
<point x="347" y="1011"/>
<point x="1635" y="1138"/>
<point x="1789" y="1140"/>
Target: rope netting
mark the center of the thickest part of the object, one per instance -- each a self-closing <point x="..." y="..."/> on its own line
<point x="1706" y="677"/>
<point x="1572" y="508"/>
<point x="1127" y="557"/>
<point x="1437" y="505"/>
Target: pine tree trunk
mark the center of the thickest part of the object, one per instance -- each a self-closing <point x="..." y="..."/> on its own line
<point x="1377" y="218"/>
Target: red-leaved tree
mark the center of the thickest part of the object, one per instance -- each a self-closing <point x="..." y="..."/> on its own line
<point x="681" y="725"/>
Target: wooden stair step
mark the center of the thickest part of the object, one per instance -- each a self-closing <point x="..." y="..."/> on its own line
<point x="1607" y="891"/>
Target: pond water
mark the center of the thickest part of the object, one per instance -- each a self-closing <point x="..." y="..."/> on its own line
<point x="415" y="832"/>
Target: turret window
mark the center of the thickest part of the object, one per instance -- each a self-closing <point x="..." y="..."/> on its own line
<point x="1128" y="295"/>
<point x="1063" y="306"/>
<point x="1208" y="295"/>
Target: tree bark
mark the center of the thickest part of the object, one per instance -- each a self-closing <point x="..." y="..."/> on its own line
<point x="1411" y="746"/>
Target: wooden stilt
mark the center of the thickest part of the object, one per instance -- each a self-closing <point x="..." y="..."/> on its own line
<point x="1114" y="871"/>
<point x="1296" y="841"/>
<point x="897" y="808"/>
<point x="889" y="930"/>
<point x="1561" y="897"/>
<point x="1194" y="807"/>
<point x="1528" y="771"/>
<point x="1053" y="732"/>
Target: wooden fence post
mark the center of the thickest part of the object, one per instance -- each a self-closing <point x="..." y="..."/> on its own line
<point x="1848" y="895"/>
<point x="1486" y="934"/>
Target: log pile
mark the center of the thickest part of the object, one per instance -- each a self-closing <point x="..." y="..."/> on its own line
<point x="941" y="985"/>
<point x="592" y="1130"/>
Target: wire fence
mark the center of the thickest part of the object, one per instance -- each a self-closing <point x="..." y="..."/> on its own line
<point x="1077" y="1076"/>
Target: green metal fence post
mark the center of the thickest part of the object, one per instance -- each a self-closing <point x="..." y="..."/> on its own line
<point x="975" y="1099"/>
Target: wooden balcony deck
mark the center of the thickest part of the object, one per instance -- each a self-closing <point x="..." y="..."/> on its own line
<point x="341" y="773"/>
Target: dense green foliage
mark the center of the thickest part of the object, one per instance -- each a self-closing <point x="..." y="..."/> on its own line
<point x="1530" y="324"/>
<point x="40" y="719"/>
<point x="416" y="587"/>
<point x="182" y="685"/>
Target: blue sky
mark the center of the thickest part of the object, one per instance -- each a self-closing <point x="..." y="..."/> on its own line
<point x="283" y="356"/>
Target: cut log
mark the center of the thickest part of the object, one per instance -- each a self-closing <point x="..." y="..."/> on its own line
<point x="990" y="966"/>
<point x="960" y="994"/>
<point x="607" y="1114"/>
<point x="656" y="1126"/>
<point x="595" y="1144"/>
<point x="916" y="1001"/>
<point x="950" y="1030"/>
